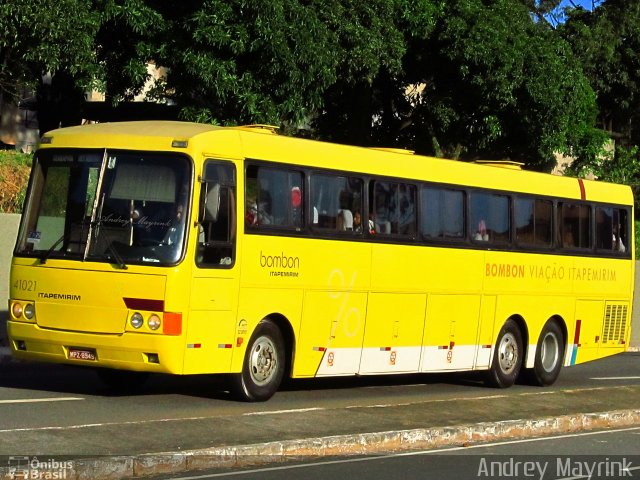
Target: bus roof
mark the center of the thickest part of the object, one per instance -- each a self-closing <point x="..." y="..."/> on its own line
<point x="261" y="143"/>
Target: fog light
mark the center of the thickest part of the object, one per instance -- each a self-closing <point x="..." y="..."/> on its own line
<point x="136" y="320"/>
<point x="29" y="310"/>
<point x="16" y="310"/>
<point x="20" y="345"/>
<point x="153" y="358"/>
<point x="154" y="322"/>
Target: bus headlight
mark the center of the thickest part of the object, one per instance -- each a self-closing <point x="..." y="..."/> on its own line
<point x="29" y="311"/>
<point x="16" y="310"/>
<point x="136" y="320"/>
<point x="154" y="322"/>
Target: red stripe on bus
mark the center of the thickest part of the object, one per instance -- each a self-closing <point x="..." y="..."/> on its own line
<point x="144" y="304"/>
<point x="583" y="193"/>
<point x="576" y="338"/>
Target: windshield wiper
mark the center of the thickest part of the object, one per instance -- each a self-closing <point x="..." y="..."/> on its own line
<point x="43" y="258"/>
<point x="116" y="256"/>
<point x="65" y="236"/>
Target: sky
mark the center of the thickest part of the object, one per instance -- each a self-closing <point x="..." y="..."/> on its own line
<point x="584" y="3"/>
<point x="587" y="4"/>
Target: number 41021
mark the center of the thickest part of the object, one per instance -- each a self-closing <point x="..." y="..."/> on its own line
<point x="25" y="285"/>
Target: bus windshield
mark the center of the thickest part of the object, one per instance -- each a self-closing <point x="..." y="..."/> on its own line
<point x="106" y="206"/>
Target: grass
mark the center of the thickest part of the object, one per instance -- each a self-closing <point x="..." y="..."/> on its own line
<point x="14" y="176"/>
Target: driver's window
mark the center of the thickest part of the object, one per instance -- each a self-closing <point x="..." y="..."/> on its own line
<point x="217" y="214"/>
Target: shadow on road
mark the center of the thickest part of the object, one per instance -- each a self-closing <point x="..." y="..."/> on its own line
<point x="85" y="381"/>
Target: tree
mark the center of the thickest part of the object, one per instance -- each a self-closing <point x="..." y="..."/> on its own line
<point x="40" y="39"/>
<point x="371" y="45"/>
<point x="244" y="62"/>
<point x="607" y="42"/>
<point x="490" y="82"/>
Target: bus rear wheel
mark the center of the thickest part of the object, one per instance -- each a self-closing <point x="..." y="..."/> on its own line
<point x="549" y="356"/>
<point x="507" y="357"/>
<point x="264" y="365"/>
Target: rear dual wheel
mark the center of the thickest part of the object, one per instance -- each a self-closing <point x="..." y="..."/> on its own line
<point x="549" y="356"/>
<point x="507" y="356"/>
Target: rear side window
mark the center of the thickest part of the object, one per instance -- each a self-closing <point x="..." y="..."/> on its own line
<point x="575" y="226"/>
<point x="612" y="229"/>
<point x="274" y="198"/>
<point x="533" y="218"/>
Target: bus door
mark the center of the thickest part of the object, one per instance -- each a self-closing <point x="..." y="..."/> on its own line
<point x="214" y="285"/>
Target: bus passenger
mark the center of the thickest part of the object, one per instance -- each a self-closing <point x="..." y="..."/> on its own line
<point x="481" y="234"/>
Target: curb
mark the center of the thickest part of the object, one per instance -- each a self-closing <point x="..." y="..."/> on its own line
<point x="139" y="466"/>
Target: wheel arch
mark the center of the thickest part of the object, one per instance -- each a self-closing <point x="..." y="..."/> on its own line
<point x="285" y="327"/>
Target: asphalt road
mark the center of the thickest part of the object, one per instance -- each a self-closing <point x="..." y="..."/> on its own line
<point x="64" y="410"/>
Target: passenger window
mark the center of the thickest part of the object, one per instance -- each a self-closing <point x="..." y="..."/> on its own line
<point x="489" y="217"/>
<point x="575" y="226"/>
<point x="611" y="229"/>
<point x="274" y="198"/>
<point x="442" y="214"/>
<point x="217" y="216"/>
<point x="392" y="208"/>
<point x="337" y="203"/>
<point x="533" y="222"/>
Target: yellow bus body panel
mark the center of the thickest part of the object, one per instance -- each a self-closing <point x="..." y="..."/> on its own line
<point x="346" y="307"/>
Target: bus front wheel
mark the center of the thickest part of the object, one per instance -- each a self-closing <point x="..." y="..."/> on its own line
<point x="549" y="356"/>
<point x="264" y="365"/>
<point x="507" y="357"/>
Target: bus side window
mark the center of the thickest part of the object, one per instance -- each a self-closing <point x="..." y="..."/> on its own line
<point x="533" y="222"/>
<point x="217" y="213"/>
<point x="393" y="208"/>
<point x="611" y="229"/>
<point x="337" y="203"/>
<point x="442" y="213"/>
<point x="575" y="226"/>
<point x="274" y="198"/>
<point x="489" y="217"/>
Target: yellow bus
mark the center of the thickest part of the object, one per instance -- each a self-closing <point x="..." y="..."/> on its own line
<point x="184" y="248"/>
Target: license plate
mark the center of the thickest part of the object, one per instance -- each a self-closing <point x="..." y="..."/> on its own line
<point x="82" y="354"/>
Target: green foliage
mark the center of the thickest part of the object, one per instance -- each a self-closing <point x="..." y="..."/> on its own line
<point x="607" y="42"/>
<point x="14" y="173"/>
<point x="247" y="62"/>
<point x="457" y="78"/>
<point x="45" y="36"/>
<point x="496" y="84"/>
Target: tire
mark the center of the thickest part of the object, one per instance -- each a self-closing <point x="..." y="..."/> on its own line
<point x="263" y="367"/>
<point x="507" y="356"/>
<point x="549" y="356"/>
<point x="121" y="381"/>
